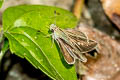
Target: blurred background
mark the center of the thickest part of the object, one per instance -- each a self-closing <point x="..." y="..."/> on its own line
<point x="95" y="14"/>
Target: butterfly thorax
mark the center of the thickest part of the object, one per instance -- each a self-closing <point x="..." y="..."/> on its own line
<point x="57" y="32"/>
<point x="53" y="27"/>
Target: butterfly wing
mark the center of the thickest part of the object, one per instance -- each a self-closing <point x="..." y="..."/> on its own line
<point x="67" y="40"/>
<point x="70" y="52"/>
<point x="80" y="40"/>
<point x="66" y="50"/>
<point x="69" y="45"/>
<point x="84" y="46"/>
<point x="74" y="32"/>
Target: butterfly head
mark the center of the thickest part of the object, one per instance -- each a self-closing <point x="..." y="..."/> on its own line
<point x="53" y="27"/>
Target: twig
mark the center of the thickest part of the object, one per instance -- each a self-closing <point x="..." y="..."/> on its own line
<point x="77" y="10"/>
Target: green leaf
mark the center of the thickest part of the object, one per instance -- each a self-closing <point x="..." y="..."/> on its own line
<point x="4" y="49"/>
<point x="1" y="2"/>
<point x="26" y="27"/>
<point x="1" y="34"/>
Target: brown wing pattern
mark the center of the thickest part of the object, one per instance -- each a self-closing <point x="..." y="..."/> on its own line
<point x="74" y="32"/>
<point x="70" y="52"/>
<point x="84" y="46"/>
<point x="80" y="41"/>
<point x="74" y="44"/>
<point x="68" y="55"/>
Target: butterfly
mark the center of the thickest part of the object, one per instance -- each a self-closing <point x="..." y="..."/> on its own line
<point x="73" y="43"/>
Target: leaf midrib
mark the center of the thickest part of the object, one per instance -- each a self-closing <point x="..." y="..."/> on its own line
<point x="37" y="46"/>
<point x="31" y="55"/>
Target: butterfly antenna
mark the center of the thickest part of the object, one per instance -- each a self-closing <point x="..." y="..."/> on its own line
<point x="54" y="20"/>
<point x="55" y="17"/>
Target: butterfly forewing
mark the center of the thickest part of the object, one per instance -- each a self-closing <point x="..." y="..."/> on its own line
<point x="80" y="41"/>
<point x="66" y="50"/>
<point x="84" y="46"/>
<point x="74" y="32"/>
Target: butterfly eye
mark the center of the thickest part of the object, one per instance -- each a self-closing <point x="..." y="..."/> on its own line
<point x="52" y="30"/>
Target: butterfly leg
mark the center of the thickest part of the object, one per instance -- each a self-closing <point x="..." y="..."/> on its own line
<point x="83" y="69"/>
<point x="48" y="35"/>
<point x="52" y="41"/>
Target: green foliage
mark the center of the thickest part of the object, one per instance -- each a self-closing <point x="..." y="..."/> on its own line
<point x="26" y="27"/>
<point x="5" y="47"/>
<point x="1" y="2"/>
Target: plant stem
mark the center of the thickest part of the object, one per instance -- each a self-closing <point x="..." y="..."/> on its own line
<point x="77" y="10"/>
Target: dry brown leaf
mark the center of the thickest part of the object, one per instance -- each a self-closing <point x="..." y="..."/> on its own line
<point x="112" y="9"/>
<point x="107" y="64"/>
